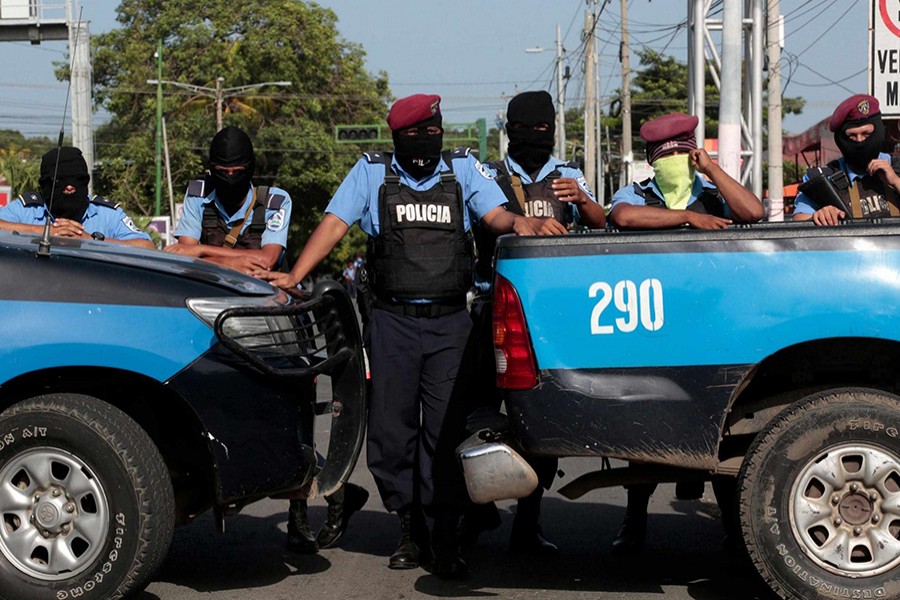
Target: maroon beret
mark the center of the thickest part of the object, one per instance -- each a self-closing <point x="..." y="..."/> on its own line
<point x="669" y="133"/>
<point x="854" y="108"/>
<point x="408" y="111"/>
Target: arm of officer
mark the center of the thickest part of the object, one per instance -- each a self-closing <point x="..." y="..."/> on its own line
<point x="745" y="207"/>
<point x="324" y="238"/>
<point x="630" y="216"/>
<point x="241" y="259"/>
<point x="499" y="220"/>
<point x="20" y="227"/>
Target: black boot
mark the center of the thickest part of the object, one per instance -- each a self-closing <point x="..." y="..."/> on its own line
<point x="341" y="506"/>
<point x="527" y="537"/>
<point x="477" y="519"/>
<point x="448" y="564"/>
<point x="408" y="553"/>
<point x="300" y="536"/>
<point x="630" y="539"/>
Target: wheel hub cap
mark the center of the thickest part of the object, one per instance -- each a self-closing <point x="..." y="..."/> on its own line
<point x="845" y="510"/>
<point x="54" y="514"/>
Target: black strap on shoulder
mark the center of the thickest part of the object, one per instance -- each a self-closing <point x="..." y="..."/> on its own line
<point x="258" y="220"/>
<point x="448" y="176"/>
<point x="505" y="185"/>
<point x="391" y="179"/>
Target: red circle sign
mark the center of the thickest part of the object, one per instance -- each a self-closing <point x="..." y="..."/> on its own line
<point x="891" y="25"/>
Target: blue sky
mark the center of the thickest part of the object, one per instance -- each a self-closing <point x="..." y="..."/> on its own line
<point x="472" y="52"/>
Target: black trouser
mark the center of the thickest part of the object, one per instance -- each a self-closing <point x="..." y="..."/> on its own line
<point x="414" y="423"/>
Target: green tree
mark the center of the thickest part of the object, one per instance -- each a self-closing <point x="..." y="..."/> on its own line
<point x="245" y="42"/>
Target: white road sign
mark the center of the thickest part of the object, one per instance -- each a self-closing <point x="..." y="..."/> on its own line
<point x="884" y="55"/>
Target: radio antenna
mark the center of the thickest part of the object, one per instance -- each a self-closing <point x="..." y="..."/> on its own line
<point x="44" y="244"/>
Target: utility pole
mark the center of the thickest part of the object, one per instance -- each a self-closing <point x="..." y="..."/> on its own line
<point x="730" y="99"/>
<point x="159" y="128"/>
<point x="560" y="99"/>
<point x="80" y="77"/>
<point x="627" y="157"/>
<point x="590" y="102"/>
<point x="219" y="100"/>
<point x="776" y="166"/>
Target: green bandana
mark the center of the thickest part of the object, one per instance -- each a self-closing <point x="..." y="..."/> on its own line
<point x="674" y="177"/>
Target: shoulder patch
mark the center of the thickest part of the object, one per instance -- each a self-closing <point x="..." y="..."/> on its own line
<point x="571" y="164"/>
<point x="277" y="221"/>
<point x="485" y="172"/>
<point x="197" y="187"/>
<point x="374" y="157"/>
<point x="275" y="201"/>
<point x="101" y="201"/>
<point x="460" y="152"/>
<point x="126" y="220"/>
<point x="32" y="199"/>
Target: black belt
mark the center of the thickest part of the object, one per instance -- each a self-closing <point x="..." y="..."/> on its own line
<point x="423" y="309"/>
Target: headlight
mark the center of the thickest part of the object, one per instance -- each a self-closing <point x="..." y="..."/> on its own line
<point x="272" y="334"/>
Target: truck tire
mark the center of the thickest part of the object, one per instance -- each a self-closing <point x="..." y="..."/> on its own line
<point x="86" y="503"/>
<point x="820" y="497"/>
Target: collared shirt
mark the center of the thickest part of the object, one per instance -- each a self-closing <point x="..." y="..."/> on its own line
<point x="113" y="223"/>
<point x="553" y="164"/>
<point x="804" y="205"/>
<point x="627" y="195"/>
<point x="356" y="200"/>
<point x="277" y="221"/>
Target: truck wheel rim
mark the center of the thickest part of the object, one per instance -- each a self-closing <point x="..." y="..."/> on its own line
<point x="845" y="510"/>
<point x="55" y="514"/>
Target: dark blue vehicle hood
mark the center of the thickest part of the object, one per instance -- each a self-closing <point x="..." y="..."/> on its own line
<point x="139" y="258"/>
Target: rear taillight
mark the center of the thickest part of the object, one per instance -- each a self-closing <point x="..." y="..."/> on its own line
<point x="512" y="344"/>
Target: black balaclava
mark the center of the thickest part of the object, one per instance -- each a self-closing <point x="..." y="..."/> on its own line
<point x="70" y="170"/>
<point x="859" y="154"/>
<point x="231" y="147"/>
<point x="419" y="155"/>
<point x="530" y="148"/>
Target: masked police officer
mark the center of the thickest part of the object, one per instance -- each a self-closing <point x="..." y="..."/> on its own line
<point x="677" y="195"/>
<point x="535" y="184"/>
<point x="872" y="183"/>
<point x="228" y="220"/>
<point x="416" y="205"/>
<point x="64" y="199"/>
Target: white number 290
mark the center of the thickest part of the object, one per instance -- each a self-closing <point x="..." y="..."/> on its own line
<point x="644" y="304"/>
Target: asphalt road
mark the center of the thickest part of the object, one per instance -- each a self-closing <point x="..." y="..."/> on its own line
<point x="683" y="559"/>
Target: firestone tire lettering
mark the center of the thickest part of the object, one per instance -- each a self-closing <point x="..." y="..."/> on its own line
<point x="131" y="480"/>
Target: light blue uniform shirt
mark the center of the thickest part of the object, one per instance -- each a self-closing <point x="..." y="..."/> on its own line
<point x="277" y="221"/>
<point x="627" y="195"/>
<point x="356" y="200"/>
<point x="110" y="221"/>
<point x="804" y="205"/>
<point x="553" y="164"/>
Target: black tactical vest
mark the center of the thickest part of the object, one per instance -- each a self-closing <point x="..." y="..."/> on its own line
<point x="707" y="202"/>
<point x="873" y="202"/>
<point x="213" y="229"/>
<point x="540" y="201"/>
<point x="423" y="249"/>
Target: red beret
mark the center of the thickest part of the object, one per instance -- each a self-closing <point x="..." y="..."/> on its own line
<point x="854" y="108"/>
<point x="669" y="133"/>
<point x="669" y="127"/>
<point x="408" y="111"/>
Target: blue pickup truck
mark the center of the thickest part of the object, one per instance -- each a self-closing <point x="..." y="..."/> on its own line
<point x="139" y="389"/>
<point x="769" y="354"/>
